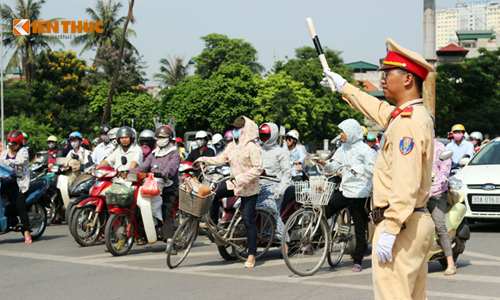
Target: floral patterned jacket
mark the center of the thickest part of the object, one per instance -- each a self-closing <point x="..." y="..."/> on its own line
<point x="20" y="165"/>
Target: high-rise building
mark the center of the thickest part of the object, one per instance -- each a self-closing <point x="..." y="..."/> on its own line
<point x="477" y="15"/>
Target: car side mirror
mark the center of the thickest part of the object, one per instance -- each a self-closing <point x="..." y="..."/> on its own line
<point x="445" y="155"/>
<point x="464" y="161"/>
<point x="124" y="160"/>
<point x="90" y="159"/>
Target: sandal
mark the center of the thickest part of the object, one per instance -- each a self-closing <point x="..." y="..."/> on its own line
<point x="450" y="271"/>
<point x="140" y="241"/>
<point x="28" y="240"/>
<point x="357" y="268"/>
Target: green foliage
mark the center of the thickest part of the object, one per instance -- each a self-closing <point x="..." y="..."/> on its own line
<point x="14" y="97"/>
<point x="125" y="106"/>
<point x="214" y="102"/>
<point x="173" y="71"/>
<point x="329" y="108"/>
<point x="220" y="50"/>
<point x="37" y="132"/>
<point x="468" y="94"/>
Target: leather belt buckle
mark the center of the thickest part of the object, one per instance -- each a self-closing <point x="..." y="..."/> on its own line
<point x="378" y="214"/>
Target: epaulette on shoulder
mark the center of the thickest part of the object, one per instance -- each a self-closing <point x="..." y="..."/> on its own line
<point x="407" y="112"/>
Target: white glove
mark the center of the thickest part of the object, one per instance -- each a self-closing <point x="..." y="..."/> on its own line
<point x="338" y="81"/>
<point x="384" y="247"/>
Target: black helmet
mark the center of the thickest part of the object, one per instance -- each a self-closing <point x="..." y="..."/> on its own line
<point x="65" y="142"/>
<point x="104" y="129"/>
<point x="164" y="131"/>
<point x="125" y="131"/>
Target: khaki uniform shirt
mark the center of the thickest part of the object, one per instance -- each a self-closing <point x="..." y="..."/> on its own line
<point x="402" y="177"/>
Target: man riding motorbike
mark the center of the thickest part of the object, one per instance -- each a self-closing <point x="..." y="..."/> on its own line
<point x="52" y="153"/>
<point x="102" y="150"/>
<point x="165" y="155"/>
<point x="476" y="139"/>
<point x="370" y="141"/>
<point x="128" y="148"/>
<point x="203" y="149"/>
<point x="358" y="163"/>
<point x="16" y="189"/>
<point x="460" y="146"/>
<point x="75" y="139"/>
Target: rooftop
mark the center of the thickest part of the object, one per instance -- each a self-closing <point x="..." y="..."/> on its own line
<point x="475" y="34"/>
<point x="362" y="65"/>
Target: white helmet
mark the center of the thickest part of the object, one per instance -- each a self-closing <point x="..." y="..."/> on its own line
<point x="216" y="138"/>
<point x="201" y="135"/>
<point x="476" y="135"/>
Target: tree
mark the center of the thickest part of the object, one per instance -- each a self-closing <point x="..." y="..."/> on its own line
<point x="214" y="102"/>
<point x="173" y="71"/>
<point x="38" y="133"/>
<point x="59" y="93"/>
<point x="331" y="109"/>
<point x="111" y="35"/>
<point x="14" y="96"/>
<point x="25" y="47"/>
<point x="220" y="50"/>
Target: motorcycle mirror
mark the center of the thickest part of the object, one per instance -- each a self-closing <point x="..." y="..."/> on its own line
<point x="124" y="160"/>
<point x="445" y="155"/>
<point x="90" y="159"/>
<point x="464" y="161"/>
<point x="155" y="167"/>
<point x="74" y="156"/>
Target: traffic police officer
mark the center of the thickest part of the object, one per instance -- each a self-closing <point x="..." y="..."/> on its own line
<point x="402" y="178"/>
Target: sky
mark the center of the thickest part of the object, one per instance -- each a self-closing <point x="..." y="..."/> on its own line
<point x="274" y="27"/>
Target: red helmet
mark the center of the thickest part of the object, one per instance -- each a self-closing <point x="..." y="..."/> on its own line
<point x="264" y="132"/>
<point x="15" y="137"/>
<point x="84" y="141"/>
<point x="179" y="140"/>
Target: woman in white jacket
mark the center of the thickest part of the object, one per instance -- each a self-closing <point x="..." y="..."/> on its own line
<point x="357" y="172"/>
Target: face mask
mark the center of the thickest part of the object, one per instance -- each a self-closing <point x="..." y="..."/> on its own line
<point x="105" y="139"/>
<point x="75" y="145"/>
<point x="52" y="145"/>
<point x="162" y="143"/>
<point x="200" y="143"/>
<point x="458" y="136"/>
<point x="474" y="142"/>
<point x="236" y="133"/>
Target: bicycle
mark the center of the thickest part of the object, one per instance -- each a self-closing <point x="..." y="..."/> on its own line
<point x="233" y="235"/>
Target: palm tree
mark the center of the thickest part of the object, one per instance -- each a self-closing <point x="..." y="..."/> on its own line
<point x="173" y="71"/>
<point x="112" y="32"/>
<point x="26" y="47"/>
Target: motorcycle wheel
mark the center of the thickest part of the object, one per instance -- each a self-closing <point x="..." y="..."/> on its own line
<point x="38" y="221"/>
<point x="266" y="226"/>
<point x="116" y="233"/>
<point x="51" y="213"/>
<point x="182" y="241"/>
<point x="340" y="229"/>
<point x="83" y="234"/>
<point x="71" y="216"/>
<point x="227" y="253"/>
<point x="67" y="213"/>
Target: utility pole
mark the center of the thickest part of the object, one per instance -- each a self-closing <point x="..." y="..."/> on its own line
<point x="429" y="87"/>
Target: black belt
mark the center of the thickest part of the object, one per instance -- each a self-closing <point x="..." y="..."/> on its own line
<point x="378" y="213"/>
<point x="421" y="209"/>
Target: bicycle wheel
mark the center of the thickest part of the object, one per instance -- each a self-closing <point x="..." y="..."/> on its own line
<point x="309" y="242"/>
<point x="340" y="228"/>
<point x="116" y="234"/>
<point x="265" y="223"/>
<point x="182" y="241"/>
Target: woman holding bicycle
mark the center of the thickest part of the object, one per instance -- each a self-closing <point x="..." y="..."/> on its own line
<point x="245" y="160"/>
<point x="357" y="162"/>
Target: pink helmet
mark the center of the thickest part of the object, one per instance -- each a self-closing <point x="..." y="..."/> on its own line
<point x="228" y="136"/>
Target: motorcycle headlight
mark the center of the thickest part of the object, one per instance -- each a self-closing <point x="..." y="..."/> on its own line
<point x="455" y="183"/>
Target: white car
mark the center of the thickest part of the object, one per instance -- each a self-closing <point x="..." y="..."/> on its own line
<point x="479" y="182"/>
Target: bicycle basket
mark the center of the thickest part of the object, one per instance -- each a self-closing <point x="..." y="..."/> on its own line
<point x="120" y="195"/>
<point x="194" y="204"/>
<point x="317" y="191"/>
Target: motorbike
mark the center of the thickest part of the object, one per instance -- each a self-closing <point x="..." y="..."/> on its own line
<point x="36" y="203"/>
<point x="134" y="217"/>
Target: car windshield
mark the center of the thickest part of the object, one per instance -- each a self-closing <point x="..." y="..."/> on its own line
<point x="490" y="155"/>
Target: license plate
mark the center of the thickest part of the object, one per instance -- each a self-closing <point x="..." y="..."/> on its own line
<point x="485" y="199"/>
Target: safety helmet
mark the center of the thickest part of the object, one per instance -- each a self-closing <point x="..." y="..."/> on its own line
<point x="25" y="135"/>
<point x="228" y="136"/>
<point x="476" y="135"/>
<point x="179" y="140"/>
<point x="104" y="129"/>
<point x="75" y="135"/>
<point x="52" y="139"/>
<point x="125" y="131"/>
<point x="265" y="132"/>
<point x="112" y="133"/>
<point x="164" y="131"/>
<point x="85" y="144"/>
<point x="371" y="138"/>
<point x="293" y="130"/>
<point x="96" y="141"/>
<point x="217" y="138"/>
<point x="365" y="132"/>
<point x="15" y="138"/>
<point x="450" y="136"/>
<point x="147" y="135"/>
<point x="292" y="135"/>
<point x="65" y="142"/>
<point x="201" y="135"/>
<point x="458" y="127"/>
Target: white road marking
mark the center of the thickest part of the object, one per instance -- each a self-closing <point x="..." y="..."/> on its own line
<point x="480" y="255"/>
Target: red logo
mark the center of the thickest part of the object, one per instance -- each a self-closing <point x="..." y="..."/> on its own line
<point x="21" y="27"/>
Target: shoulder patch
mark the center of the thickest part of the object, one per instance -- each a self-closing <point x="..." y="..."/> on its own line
<point x="407" y="112"/>
<point x="406" y="145"/>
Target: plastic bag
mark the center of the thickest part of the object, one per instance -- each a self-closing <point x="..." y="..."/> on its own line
<point x="156" y="203"/>
<point x="150" y="187"/>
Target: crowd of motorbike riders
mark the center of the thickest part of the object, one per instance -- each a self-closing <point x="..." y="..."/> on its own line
<point x="251" y="151"/>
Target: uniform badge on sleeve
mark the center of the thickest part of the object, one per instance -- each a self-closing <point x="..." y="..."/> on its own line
<point x="406" y="145"/>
